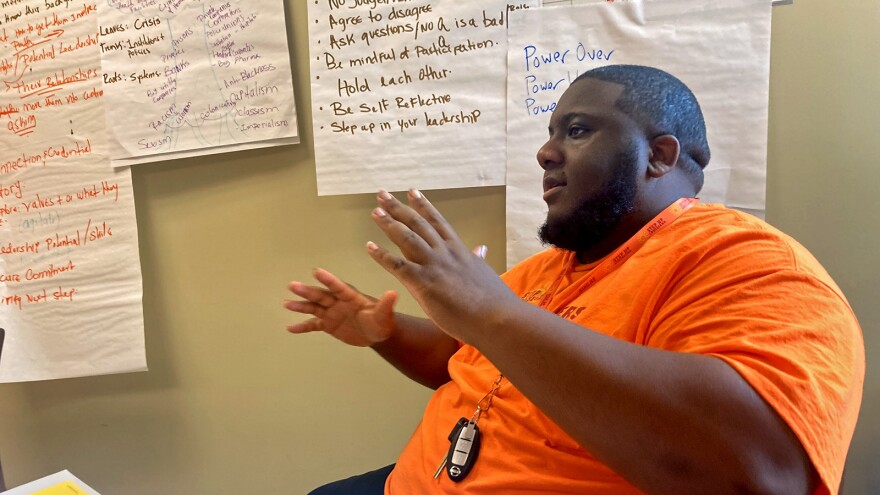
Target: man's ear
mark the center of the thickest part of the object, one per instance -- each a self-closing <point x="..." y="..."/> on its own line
<point x="664" y="155"/>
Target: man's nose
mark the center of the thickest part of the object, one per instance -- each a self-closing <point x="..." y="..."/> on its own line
<point x="549" y="155"/>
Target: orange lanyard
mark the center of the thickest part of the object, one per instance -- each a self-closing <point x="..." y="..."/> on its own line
<point x="615" y="259"/>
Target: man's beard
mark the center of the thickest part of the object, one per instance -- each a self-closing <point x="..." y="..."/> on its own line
<point x="596" y="216"/>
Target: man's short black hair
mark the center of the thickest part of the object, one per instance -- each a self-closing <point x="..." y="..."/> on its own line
<point x="661" y="104"/>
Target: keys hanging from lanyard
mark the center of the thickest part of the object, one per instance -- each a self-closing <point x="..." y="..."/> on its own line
<point x="452" y="434"/>
<point x="464" y="440"/>
<point x="464" y="447"/>
<point x="463" y="452"/>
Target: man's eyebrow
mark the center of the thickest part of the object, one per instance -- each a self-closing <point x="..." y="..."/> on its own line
<point x="567" y="117"/>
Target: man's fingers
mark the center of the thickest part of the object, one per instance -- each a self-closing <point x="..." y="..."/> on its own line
<point x="384" y="310"/>
<point x="312" y="294"/>
<point x="390" y="262"/>
<point x="410" y="218"/>
<point x="426" y="210"/>
<point x="336" y="286"/>
<point x="328" y="279"/>
<point x="411" y="244"/>
<point x="481" y="251"/>
<point x="304" y="307"/>
<point x="310" y="325"/>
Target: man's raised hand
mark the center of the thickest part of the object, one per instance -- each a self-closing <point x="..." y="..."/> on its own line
<point x="453" y="285"/>
<point x="342" y="311"/>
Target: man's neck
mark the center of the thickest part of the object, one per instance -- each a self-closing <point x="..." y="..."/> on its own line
<point x="622" y="233"/>
<point x="628" y="227"/>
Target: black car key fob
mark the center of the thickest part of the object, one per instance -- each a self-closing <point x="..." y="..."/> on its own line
<point x="462" y="422"/>
<point x="463" y="449"/>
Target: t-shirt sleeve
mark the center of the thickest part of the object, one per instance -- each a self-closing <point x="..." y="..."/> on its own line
<point x="793" y="338"/>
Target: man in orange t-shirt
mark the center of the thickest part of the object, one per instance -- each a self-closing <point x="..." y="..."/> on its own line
<point x="661" y="346"/>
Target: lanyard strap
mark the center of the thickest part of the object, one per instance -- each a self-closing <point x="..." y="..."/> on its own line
<point x="617" y="258"/>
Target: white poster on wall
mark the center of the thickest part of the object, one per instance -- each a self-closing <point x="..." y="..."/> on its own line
<point x="719" y="48"/>
<point x="408" y="94"/>
<point x="195" y="77"/>
<point x="70" y="280"/>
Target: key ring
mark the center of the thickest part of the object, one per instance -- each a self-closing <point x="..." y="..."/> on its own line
<point x="487" y="399"/>
<point x="476" y="415"/>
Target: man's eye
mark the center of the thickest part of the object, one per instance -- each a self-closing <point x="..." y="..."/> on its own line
<point x="576" y="131"/>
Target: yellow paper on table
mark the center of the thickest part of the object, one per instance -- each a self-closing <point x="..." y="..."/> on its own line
<point x="60" y="483"/>
<point x="66" y="488"/>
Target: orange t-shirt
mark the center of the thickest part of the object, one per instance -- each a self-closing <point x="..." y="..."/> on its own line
<point x="714" y="282"/>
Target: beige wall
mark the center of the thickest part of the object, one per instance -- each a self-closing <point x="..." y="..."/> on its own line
<point x="232" y="404"/>
<point x="824" y="175"/>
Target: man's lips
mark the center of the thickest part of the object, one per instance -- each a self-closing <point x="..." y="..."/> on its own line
<point x="552" y="186"/>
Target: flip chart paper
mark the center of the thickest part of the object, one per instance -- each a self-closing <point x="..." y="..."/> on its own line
<point x="408" y="94"/>
<point x="190" y="77"/>
<point x="70" y="284"/>
<point x="61" y="483"/>
<point x="556" y="3"/>
<point x="719" y="48"/>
